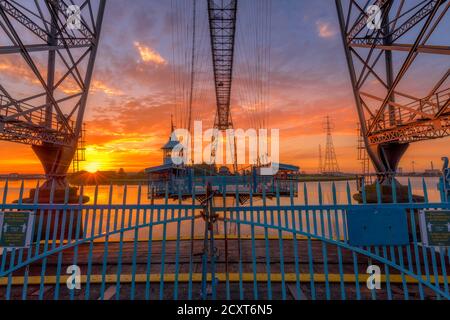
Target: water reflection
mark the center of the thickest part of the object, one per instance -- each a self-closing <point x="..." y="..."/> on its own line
<point x="327" y="223"/>
<point x="118" y="192"/>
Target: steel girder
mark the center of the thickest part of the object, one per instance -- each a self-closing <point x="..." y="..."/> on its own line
<point x="222" y="20"/>
<point x="58" y="63"/>
<point x="380" y="59"/>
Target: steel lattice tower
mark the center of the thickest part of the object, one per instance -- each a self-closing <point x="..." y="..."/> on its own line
<point x="363" y="157"/>
<point x="56" y="41"/>
<point x="222" y="19"/>
<point x="386" y="43"/>
<point x="222" y="23"/>
<point x="320" y="160"/>
<point x="330" y="165"/>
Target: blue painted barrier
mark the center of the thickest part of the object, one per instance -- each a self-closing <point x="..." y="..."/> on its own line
<point x="215" y="247"/>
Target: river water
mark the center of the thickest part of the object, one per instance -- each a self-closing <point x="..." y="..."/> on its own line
<point x="312" y="191"/>
<point x="321" y="223"/>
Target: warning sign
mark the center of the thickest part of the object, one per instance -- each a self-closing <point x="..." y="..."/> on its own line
<point x="435" y="228"/>
<point x="16" y="228"/>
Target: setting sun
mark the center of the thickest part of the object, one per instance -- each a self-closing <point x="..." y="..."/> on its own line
<point x="237" y="150"/>
<point x="92" y="167"/>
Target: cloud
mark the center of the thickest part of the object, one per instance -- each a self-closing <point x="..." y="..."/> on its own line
<point x="16" y="70"/>
<point x="149" y="55"/>
<point x="132" y="93"/>
<point x="325" y="29"/>
<point x="99" y="86"/>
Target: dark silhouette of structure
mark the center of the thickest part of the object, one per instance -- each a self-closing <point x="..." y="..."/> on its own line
<point x="66" y="36"/>
<point x="385" y="41"/>
<point x="330" y="165"/>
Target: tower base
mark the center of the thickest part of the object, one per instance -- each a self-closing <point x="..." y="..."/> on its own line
<point x="386" y="194"/>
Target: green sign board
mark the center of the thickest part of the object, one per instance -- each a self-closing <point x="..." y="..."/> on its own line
<point x="16" y="228"/>
<point x="435" y="228"/>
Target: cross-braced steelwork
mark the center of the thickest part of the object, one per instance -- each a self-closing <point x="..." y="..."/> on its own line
<point x="222" y="19"/>
<point x="385" y="43"/>
<point x="330" y="165"/>
<point x="57" y="41"/>
<point x="363" y="157"/>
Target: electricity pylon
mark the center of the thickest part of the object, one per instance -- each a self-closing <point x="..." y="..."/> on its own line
<point x="330" y="165"/>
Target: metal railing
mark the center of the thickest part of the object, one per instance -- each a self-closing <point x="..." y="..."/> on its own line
<point x="413" y="112"/>
<point x="273" y="247"/>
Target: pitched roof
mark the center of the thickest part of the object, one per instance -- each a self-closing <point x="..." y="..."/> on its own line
<point x="164" y="167"/>
<point x="170" y="145"/>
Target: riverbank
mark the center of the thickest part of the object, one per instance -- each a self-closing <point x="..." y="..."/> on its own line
<point x="102" y="178"/>
<point x="320" y="178"/>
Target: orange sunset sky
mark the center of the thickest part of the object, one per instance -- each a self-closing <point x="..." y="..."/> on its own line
<point x="132" y="95"/>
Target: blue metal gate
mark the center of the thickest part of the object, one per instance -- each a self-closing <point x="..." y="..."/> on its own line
<point x="305" y="253"/>
<point x="245" y="246"/>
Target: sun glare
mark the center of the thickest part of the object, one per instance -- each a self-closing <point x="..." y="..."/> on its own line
<point x="92" y="167"/>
